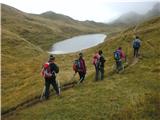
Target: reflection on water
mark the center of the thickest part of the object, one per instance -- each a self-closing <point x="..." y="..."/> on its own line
<point x="77" y="43"/>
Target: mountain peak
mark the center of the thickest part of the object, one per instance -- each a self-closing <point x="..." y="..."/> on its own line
<point x="48" y="12"/>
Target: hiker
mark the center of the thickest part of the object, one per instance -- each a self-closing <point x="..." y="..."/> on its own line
<point x="95" y="62"/>
<point x="49" y="73"/>
<point x="119" y="57"/>
<point x="80" y="67"/>
<point x="101" y="64"/>
<point x="136" y="46"/>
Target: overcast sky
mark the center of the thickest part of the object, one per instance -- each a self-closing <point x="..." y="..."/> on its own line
<point x="97" y="10"/>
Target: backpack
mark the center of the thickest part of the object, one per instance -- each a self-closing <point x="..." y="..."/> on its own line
<point x="95" y="59"/>
<point x="102" y="60"/>
<point x="117" y="55"/>
<point x="46" y="72"/>
<point x="76" y="65"/>
<point x="136" y="44"/>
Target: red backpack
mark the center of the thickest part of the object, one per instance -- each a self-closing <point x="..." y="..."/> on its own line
<point x="46" y="72"/>
<point x="95" y="59"/>
<point x="76" y="65"/>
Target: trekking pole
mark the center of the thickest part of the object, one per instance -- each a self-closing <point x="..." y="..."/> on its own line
<point x="79" y="81"/>
<point x="73" y="76"/>
<point x="42" y="94"/>
<point x="59" y="86"/>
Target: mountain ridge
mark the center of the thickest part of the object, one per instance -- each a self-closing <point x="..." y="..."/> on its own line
<point x="133" y="18"/>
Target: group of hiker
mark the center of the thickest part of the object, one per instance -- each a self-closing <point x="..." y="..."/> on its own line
<point x="50" y="68"/>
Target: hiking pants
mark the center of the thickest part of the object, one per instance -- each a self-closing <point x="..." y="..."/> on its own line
<point x="101" y="73"/>
<point x="119" y="65"/>
<point x="51" y="81"/>
<point x="82" y="76"/>
<point x="136" y="50"/>
<point x="97" y="73"/>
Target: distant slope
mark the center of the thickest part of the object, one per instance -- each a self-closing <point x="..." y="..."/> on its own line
<point x="102" y="27"/>
<point x="54" y="16"/>
<point x="132" y="18"/>
<point x="45" y="29"/>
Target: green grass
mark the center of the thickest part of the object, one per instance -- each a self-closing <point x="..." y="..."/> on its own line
<point x="26" y="38"/>
<point x="131" y="95"/>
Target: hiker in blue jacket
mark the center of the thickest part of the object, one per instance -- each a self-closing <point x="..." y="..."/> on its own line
<point x="136" y="46"/>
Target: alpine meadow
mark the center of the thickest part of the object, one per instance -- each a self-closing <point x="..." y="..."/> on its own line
<point x="26" y="39"/>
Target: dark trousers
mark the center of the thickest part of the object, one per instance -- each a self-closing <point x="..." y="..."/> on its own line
<point x="119" y="65"/>
<point x="99" y="71"/>
<point x="82" y="76"/>
<point x="51" y="81"/>
<point x="136" y="51"/>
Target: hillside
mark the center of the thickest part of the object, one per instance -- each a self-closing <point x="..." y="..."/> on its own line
<point x="45" y="29"/>
<point x="26" y="38"/>
<point x="133" y="18"/>
<point x="54" y="16"/>
<point x="131" y="95"/>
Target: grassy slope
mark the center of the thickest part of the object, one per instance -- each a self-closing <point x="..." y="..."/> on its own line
<point x="25" y="40"/>
<point x="43" y="31"/>
<point x="131" y="95"/>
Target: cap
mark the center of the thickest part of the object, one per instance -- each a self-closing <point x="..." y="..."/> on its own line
<point x="51" y="57"/>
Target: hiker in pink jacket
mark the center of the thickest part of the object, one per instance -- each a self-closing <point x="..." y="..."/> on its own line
<point x="122" y="55"/>
<point x="119" y="57"/>
<point x="95" y="62"/>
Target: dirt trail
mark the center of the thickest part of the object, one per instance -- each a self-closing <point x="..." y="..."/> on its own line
<point x="33" y="101"/>
<point x="135" y="60"/>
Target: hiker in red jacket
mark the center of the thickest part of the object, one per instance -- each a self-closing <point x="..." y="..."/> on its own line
<point x="95" y="62"/>
<point x="81" y="67"/>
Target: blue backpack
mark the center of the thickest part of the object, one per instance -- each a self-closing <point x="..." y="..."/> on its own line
<point x="136" y="44"/>
<point x="117" y="55"/>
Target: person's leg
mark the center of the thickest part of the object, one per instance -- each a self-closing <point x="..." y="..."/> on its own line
<point x="117" y="66"/>
<point x="55" y="86"/>
<point x="79" y="75"/>
<point x="97" y="72"/>
<point x="82" y="77"/>
<point x="47" y="84"/>
<point x="102" y="73"/>
<point x="134" y="52"/>
<point x="137" y="52"/>
<point x="119" y="63"/>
